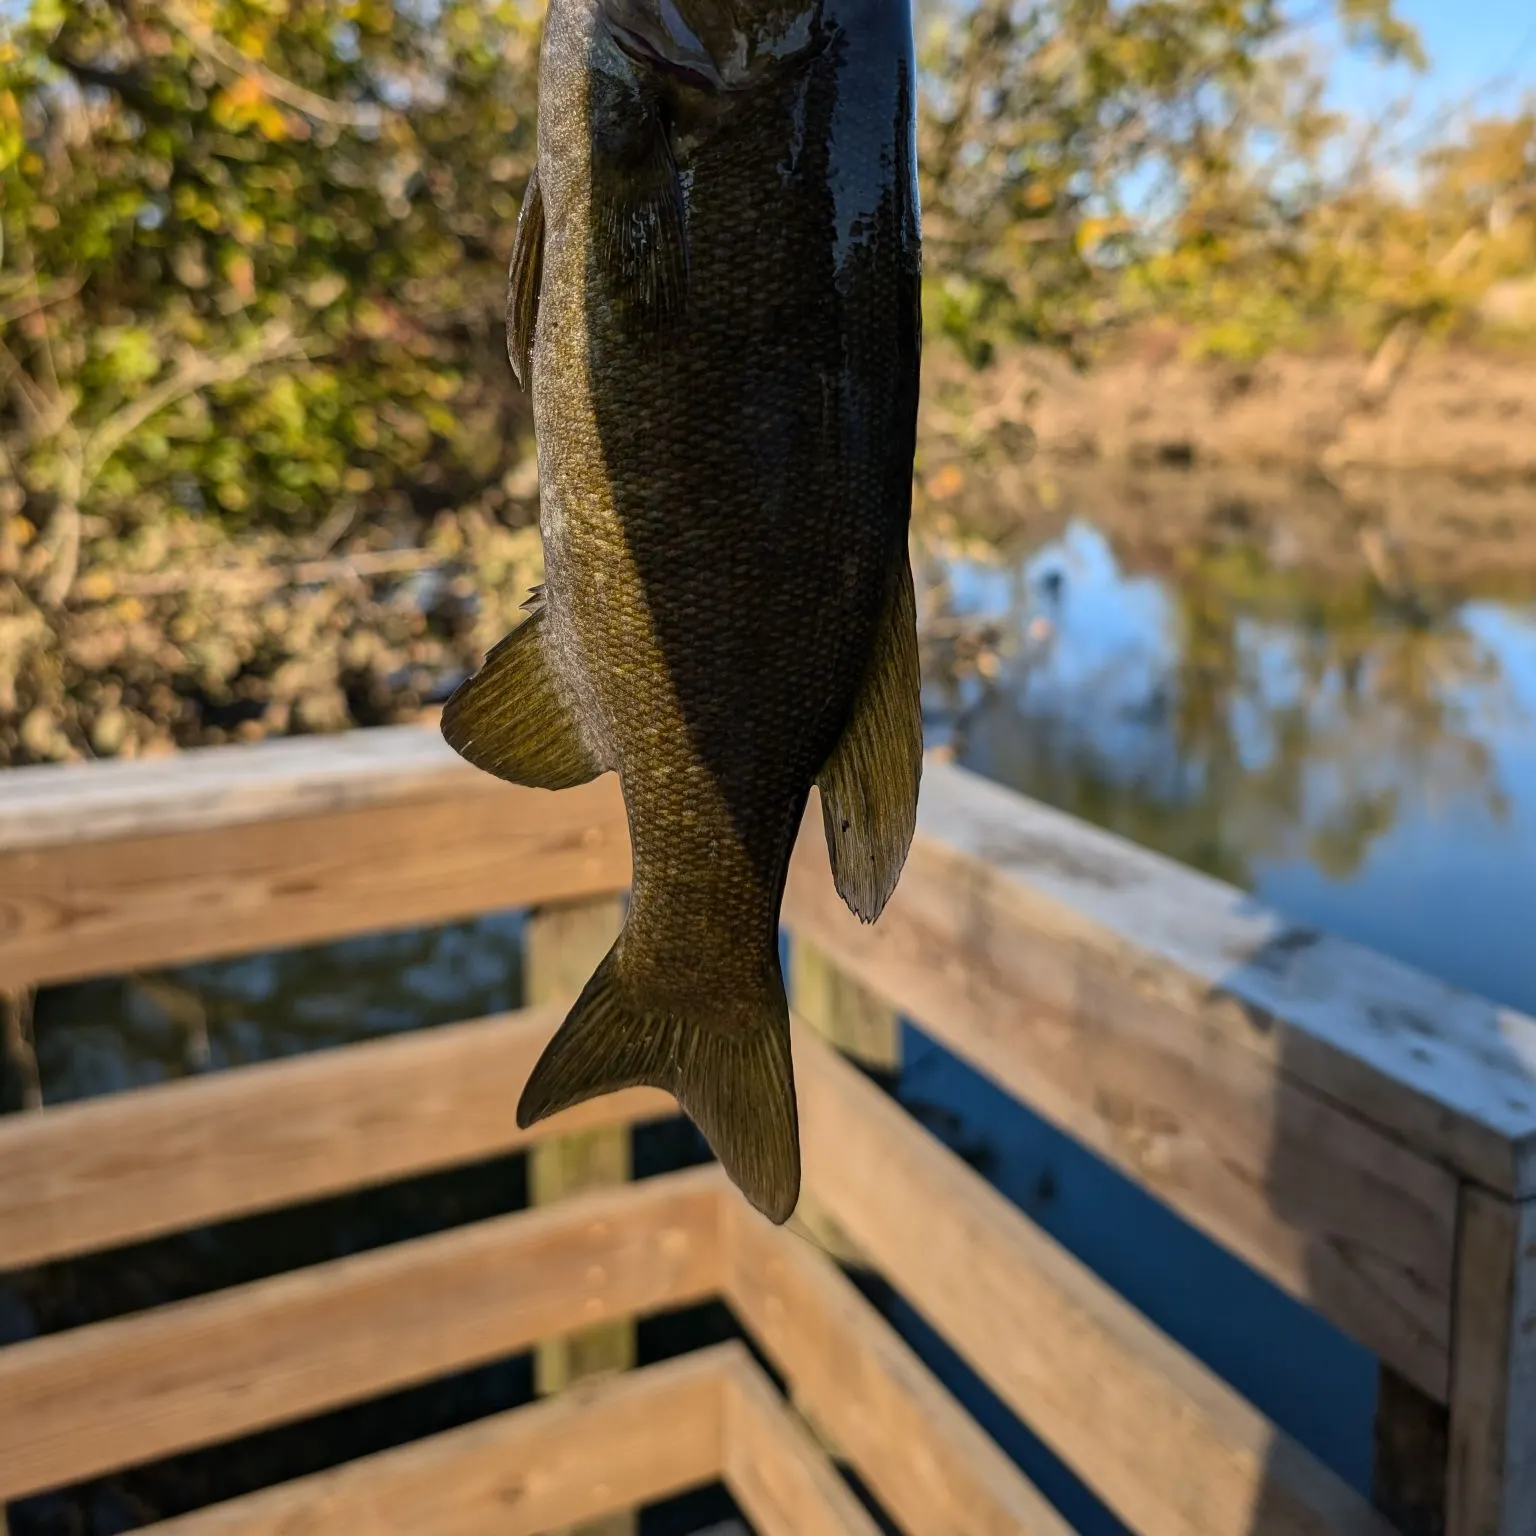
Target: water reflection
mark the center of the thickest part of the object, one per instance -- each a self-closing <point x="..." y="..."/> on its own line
<point x="1355" y="757"/>
<point x="103" y="1036"/>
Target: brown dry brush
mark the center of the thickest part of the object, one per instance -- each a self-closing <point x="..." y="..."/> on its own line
<point x="177" y="638"/>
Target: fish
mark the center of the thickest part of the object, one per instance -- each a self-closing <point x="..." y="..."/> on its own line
<point x="714" y="299"/>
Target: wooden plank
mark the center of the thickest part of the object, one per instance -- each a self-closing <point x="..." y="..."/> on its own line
<point x="1167" y="1445"/>
<point x="1447" y="1072"/>
<point x="118" y="1169"/>
<point x="1444" y="1070"/>
<point x="601" y="1447"/>
<point x="561" y="947"/>
<point x="859" y="1024"/>
<point x="1408" y="1472"/>
<point x="1493" y="1390"/>
<point x="1075" y="971"/>
<point x="784" y="1484"/>
<point x="145" y="900"/>
<point x="921" y="1455"/>
<point x="115" y="1394"/>
<point x="219" y="787"/>
<point x="1153" y="1014"/>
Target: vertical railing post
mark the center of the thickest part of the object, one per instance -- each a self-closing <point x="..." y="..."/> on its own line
<point x="562" y="946"/>
<point x="863" y="1028"/>
<point x="868" y="1031"/>
<point x="18" y="1046"/>
<point x="1408" y="1479"/>
<point x="1492" y="1456"/>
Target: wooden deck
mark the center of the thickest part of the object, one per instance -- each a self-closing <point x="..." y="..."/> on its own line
<point x="1360" y="1134"/>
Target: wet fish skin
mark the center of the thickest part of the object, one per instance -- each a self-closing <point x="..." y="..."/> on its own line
<point x="715" y="298"/>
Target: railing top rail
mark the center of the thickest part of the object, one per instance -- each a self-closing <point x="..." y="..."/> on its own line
<point x="1448" y="1071"/>
<point x="214" y="787"/>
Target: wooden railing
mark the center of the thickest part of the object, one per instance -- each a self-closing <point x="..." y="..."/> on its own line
<point x="1355" y="1131"/>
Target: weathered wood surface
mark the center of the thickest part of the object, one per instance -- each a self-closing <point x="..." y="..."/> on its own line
<point x="114" y="1394"/>
<point x="1452" y="1072"/>
<point x="922" y="1456"/>
<point x="221" y="787"/>
<point x="1449" y="1073"/>
<point x="1298" y="1098"/>
<point x="118" y="1169"/>
<point x="1080" y="973"/>
<point x="1409" y="1456"/>
<point x="859" y="1024"/>
<point x="1493" y="1391"/>
<point x="783" y="1482"/>
<point x="1166" y="1444"/>
<point x="148" y="899"/>
<point x="562" y="945"/>
<point x="603" y="1447"/>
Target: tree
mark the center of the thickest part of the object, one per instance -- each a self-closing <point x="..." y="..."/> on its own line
<point x="255" y="257"/>
<point x="1066" y="143"/>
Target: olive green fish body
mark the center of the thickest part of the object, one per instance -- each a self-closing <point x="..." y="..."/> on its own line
<point x="716" y="297"/>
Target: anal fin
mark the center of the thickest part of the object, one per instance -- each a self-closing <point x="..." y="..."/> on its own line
<point x="510" y="719"/>
<point x="869" y="784"/>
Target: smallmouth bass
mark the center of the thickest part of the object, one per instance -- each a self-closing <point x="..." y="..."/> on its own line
<point x="715" y="299"/>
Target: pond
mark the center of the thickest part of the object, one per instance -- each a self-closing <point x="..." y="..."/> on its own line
<point x="1365" y="762"/>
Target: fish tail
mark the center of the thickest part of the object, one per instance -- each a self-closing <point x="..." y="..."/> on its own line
<point x="730" y="1072"/>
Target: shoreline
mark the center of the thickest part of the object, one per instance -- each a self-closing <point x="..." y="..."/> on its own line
<point x="1465" y="414"/>
<point x="1434" y="486"/>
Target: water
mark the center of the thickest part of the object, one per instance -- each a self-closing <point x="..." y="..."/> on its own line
<point x="1363" y="767"/>
<point x="1367" y="765"/>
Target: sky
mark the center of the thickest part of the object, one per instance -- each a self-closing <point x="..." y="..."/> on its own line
<point x="1487" y="47"/>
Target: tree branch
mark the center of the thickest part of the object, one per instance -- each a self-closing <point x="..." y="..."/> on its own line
<point x="222" y="54"/>
<point x="193" y="375"/>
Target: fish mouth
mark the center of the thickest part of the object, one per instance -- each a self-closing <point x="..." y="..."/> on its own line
<point x="662" y="40"/>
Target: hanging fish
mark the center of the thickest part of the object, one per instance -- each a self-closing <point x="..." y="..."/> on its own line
<point x="714" y="297"/>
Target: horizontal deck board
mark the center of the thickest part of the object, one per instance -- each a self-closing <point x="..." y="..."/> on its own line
<point x="133" y="1165"/>
<point x="922" y="1456"/>
<point x="198" y="1372"/>
<point x="148" y="899"/>
<point x="1091" y="1021"/>
<point x="598" y="1449"/>
<point x="1308" y="1104"/>
<point x="1167" y="1445"/>
<point x="781" y="1478"/>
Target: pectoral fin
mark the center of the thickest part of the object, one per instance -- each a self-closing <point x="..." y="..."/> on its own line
<point x="527" y="272"/>
<point x="640" y="232"/>
<point x="869" y="784"/>
<point x="510" y="719"/>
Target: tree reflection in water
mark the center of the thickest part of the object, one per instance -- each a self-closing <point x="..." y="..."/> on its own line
<point x="1225" y="712"/>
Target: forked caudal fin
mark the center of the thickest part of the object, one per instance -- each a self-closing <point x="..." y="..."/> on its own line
<point x="734" y="1080"/>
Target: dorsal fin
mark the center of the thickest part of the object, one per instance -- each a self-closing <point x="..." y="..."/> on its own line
<point x="523" y="279"/>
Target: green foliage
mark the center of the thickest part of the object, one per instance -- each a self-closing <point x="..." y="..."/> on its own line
<point x="254" y="250"/>
<point x="310" y="200"/>
<point x="1089" y="167"/>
